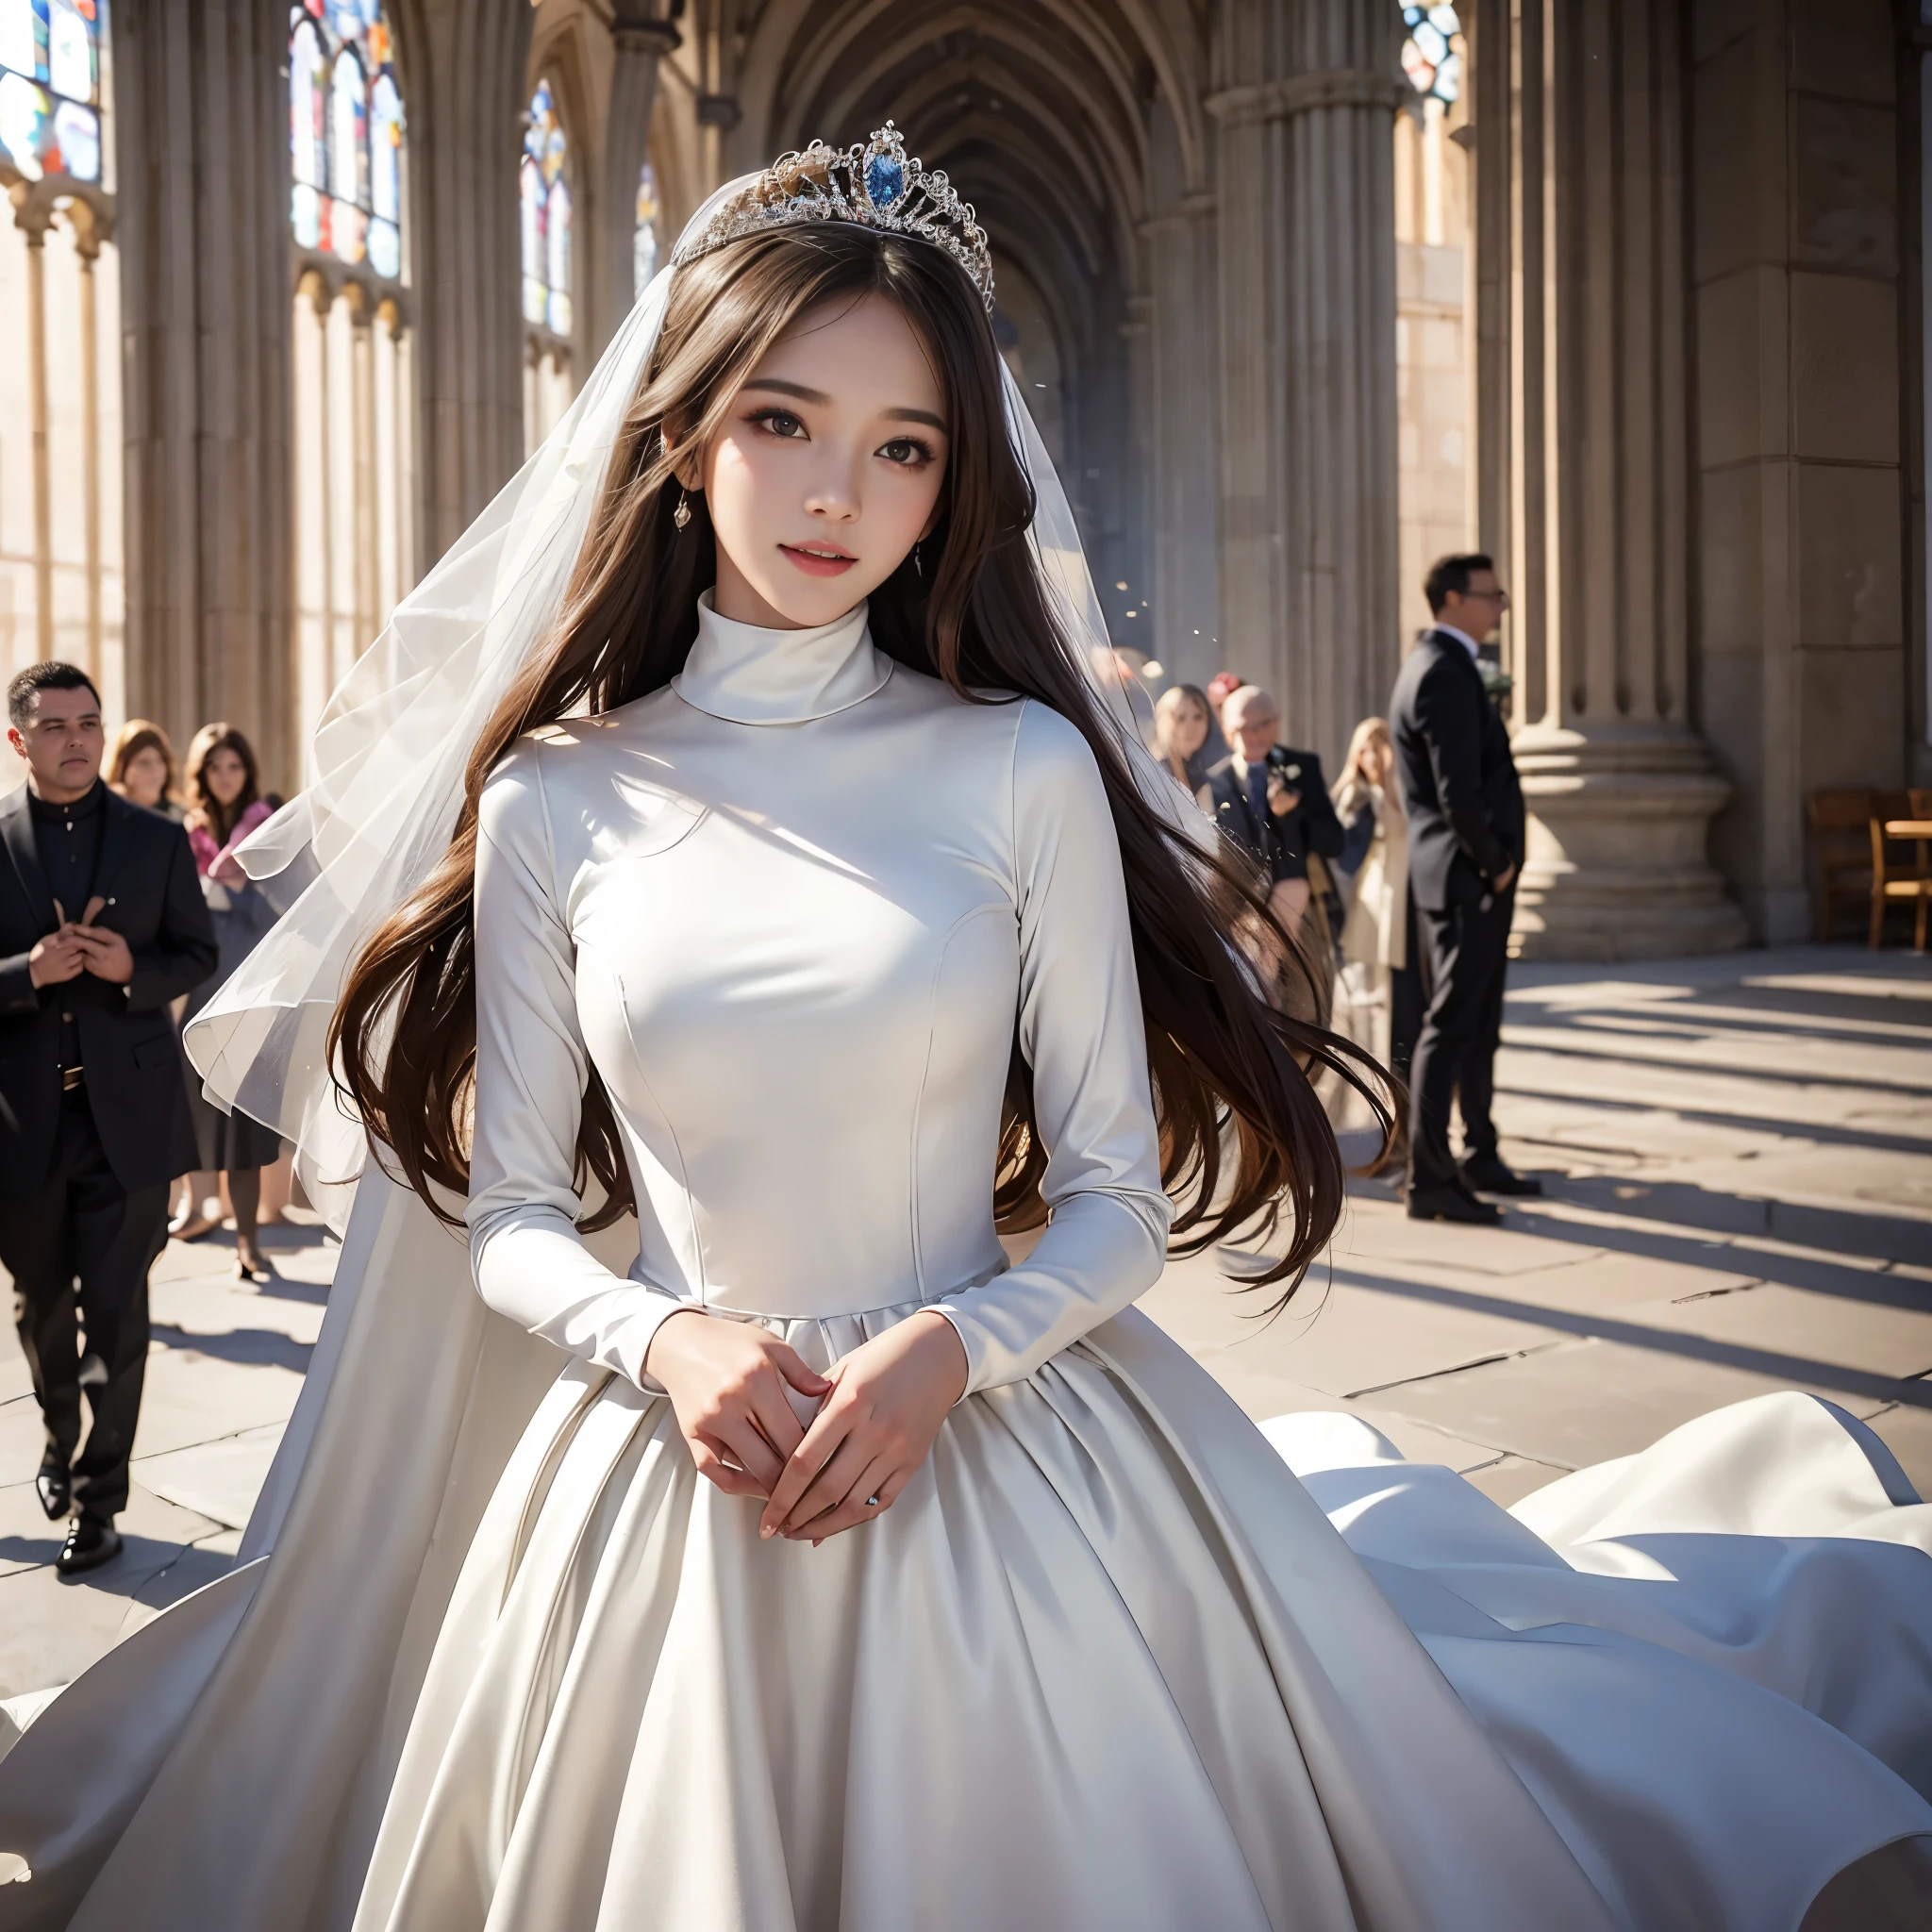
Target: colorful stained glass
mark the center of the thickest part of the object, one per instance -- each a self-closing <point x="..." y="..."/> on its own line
<point x="556" y="254"/>
<point x="544" y="203"/>
<point x="304" y="215"/>
<point x="345" y="132"/>
<point x="530" y="206"/>
<point x="385" y="249"/>
<point x="1432" y="53"/>
<point x="21" y="24"/>
<point x="348" y="132"/>
<point x="70" y="53"/>
<point x="385" y="149"/>
<point x="308" y="112"/>
<point x="644" y="263"/>
<point x="50" y="68"/>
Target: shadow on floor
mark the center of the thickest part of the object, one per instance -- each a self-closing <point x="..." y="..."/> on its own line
<point x="256" y="1347"/>
<point x="1758" y="1361"/>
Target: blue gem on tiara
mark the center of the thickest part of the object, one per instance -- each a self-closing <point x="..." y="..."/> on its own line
<point x="873" y="183"/>
<point x="885" y="180"/>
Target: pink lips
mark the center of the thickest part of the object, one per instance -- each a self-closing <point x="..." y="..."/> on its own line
<point x="814" y="565"/>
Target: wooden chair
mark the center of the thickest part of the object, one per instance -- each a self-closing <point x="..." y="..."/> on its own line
<point x="1838" y="822"/>
<point x="1895" y="877"/>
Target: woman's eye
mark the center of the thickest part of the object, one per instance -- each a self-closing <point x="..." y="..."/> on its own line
<point x="780" y="423"/>
<point x="908" y="450"/>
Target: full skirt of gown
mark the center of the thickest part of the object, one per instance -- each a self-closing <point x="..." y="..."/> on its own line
<point x="1109" y="1661"/>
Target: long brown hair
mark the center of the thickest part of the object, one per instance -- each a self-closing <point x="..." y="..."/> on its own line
<point x="221" y="818"/>
<point x="135" y="737"/>
<point x="1231" y="1070"/>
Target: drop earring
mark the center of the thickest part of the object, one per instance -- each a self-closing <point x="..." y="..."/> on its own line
<point x="681" y="515"/>
<point x="918" y="568"/>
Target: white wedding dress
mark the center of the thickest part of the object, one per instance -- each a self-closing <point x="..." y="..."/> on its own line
<point x="1106" y="1663"/>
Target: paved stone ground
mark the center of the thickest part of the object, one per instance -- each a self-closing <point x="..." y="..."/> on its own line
<point x="1739" y="1158"/>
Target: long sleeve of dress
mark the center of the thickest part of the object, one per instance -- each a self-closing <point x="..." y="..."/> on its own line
<point x="1081" y="1032"/>
<point x="530" y="1262"/>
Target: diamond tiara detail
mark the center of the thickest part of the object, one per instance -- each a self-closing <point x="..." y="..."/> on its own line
<point x="873" y="183"/>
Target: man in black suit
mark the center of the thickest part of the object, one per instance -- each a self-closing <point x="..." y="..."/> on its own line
<point x="1465" y="849"/>
<point x="101" y="925"/>
<point x="1272" y="800"/>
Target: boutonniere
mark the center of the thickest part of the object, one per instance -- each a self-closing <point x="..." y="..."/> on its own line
<point x="1287" y="770"/>
<point x="1498" y="683"/>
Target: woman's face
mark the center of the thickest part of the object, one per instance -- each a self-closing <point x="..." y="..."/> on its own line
<point x="1189" y="729"/>
<point x="1380" y="761"/>
<point x="827" y="469"/>
<point x="225" y="775"/>
<point x="144" y="777"/>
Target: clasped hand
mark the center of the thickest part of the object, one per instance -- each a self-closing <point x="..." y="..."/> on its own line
<point x="880" y="1409"/>
<point x="74" y="948"/>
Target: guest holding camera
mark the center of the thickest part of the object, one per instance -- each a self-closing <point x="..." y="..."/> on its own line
<point x="1272" y="801"/>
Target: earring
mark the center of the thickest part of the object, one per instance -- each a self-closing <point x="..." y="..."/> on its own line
<point x="681" y="515"/>
<point x="918" y="568"/>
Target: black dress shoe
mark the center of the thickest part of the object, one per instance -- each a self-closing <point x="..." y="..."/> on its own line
<point x="89" y="1543"/>
<point x="54" y="1487"/>
<point x="1487" y="1175"/>
<point x="1447" y="1202"/>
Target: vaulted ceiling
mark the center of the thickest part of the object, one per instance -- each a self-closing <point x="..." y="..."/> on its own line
<point x="1038" y="109"/>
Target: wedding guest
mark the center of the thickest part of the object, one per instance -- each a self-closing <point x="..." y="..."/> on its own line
<point x="226" y="806"/>
<point x="1182" y="725"/>
<point x="1272" y="800"/>
<point x="1382" y="997"/>
<point x="142" y="768"/>
<point x="101" y="927"/>
<point x="1466" y="844"/>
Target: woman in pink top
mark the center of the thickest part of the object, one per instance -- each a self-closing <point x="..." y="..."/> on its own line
<point x="226" y="806"/>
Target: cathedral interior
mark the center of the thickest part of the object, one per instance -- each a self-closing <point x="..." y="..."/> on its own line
<point x="1629" y="294"/>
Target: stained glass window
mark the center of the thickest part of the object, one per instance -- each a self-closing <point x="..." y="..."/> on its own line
<point x="345" y="133"/>
<point x="50" y="87"/>
<point x="644" y="245"/>
<point x="545" y="201"/>
<point x="1432" y="53"/>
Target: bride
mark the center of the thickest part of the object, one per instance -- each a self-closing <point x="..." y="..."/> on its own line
<point x="729" y="859"/>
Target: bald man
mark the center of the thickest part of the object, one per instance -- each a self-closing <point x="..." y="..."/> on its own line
<point x="1273" y="800"/>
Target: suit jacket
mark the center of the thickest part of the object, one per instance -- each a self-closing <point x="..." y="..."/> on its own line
<point x="1282" y="844"/>
<point x="128" y="1051"/>
<point x="1458" y="779"/>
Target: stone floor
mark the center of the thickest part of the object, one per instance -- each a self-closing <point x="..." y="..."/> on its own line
<point x="1738" y="1154"/>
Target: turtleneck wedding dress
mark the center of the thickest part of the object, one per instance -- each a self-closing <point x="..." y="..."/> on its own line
<point x="1105" y="1664"/>
<point x="1116" y="1661"/>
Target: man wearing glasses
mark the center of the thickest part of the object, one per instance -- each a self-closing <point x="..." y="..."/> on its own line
<point x="1465" y="849"/>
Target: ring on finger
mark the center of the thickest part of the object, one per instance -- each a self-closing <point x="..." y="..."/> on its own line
<point x="871" y="1502"/>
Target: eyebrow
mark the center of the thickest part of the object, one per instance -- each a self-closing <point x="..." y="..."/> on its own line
<point x="824" y="401"/>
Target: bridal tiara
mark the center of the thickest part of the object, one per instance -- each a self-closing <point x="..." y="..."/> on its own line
<point x="873" y="184"/>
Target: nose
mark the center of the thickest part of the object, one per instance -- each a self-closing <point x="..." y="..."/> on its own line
<point x="834" y="491"/>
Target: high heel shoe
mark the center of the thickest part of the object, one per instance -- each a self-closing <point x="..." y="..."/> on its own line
<point x="249" y="1266"/>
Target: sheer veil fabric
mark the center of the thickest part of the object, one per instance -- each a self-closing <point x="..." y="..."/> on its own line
<point x="230" y="1765"/>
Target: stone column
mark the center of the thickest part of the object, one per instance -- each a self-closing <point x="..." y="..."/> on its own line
<point x="1182" y="419"/>
<point x="201" y="126"/>
<point x="463" y="71"/>
<point x="1306" y="247"/>
<point x="1592" y="526"/>
<point x="641" y="41"/>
